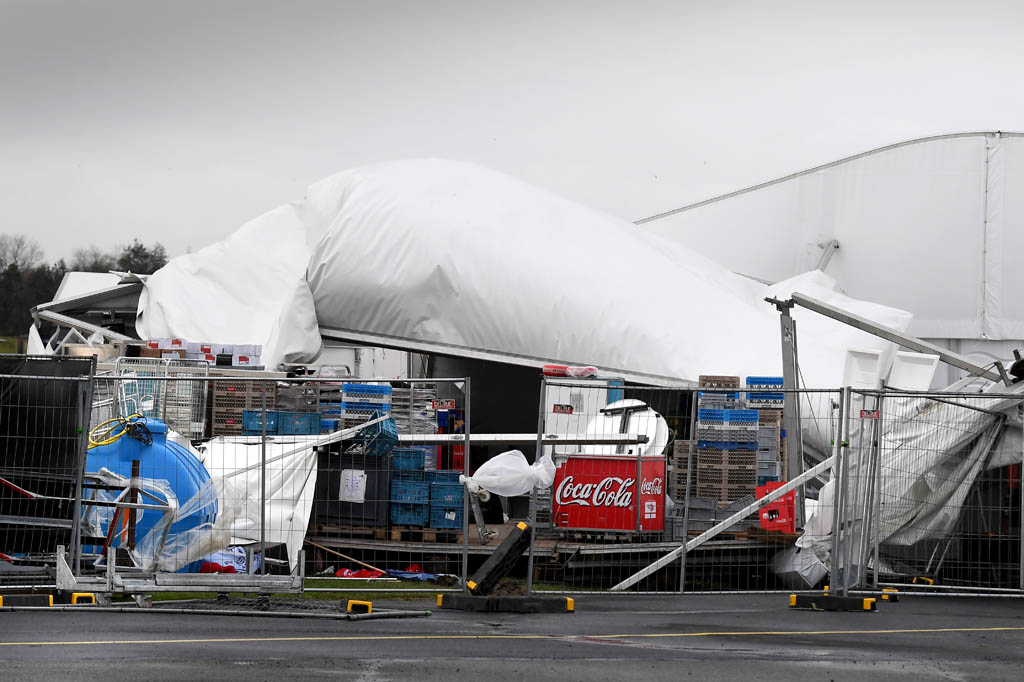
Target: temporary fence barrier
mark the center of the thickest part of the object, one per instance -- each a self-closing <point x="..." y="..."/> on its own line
<point x="301" y="494"/>
<point x="44" y="413"/>
<point x="927" y="493"/>
<point x="327" y="484"/>
<point x="926" y="490"/>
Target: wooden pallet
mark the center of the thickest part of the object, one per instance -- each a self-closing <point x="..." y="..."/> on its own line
<point x="340" y="530"/>
<point x="417" y="534"/>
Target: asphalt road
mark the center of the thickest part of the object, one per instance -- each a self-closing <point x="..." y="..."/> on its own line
<point x="734" y="637"/>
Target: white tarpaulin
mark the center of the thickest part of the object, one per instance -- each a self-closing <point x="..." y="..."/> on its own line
<point x="453" y="256"/>
<point x="291" y="481"/>
<point x="931" y="454"/>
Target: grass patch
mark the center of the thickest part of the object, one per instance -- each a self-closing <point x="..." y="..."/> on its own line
<point x="354" y="589"/>
<point x="8" y="344"/>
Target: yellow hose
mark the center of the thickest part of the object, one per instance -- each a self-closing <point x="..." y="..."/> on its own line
<point x="111" y="434"/>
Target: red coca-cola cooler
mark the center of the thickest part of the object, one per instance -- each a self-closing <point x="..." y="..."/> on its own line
<point x="625" y="494"/>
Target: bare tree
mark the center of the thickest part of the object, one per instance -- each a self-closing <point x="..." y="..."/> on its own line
<point x="92" y="259"/>
<point x="19" y="251"/>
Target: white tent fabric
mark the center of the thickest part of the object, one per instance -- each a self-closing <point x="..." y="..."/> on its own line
<point x="455" y="255"/>
<point x="934" y="217"/>
<point x="931" y="454"/>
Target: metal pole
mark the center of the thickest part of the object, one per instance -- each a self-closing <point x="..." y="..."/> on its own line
<point x="876" y="488"/>
<point x="1020" y="491"/>
<point x="853" y="548"/>
<point x="533" y="492"/>
<point x="844" y="480"/>
<point x="837" y="493"/>
<point x="465" y="493"/>
<point x="263" y="483"/>
<point x="791" y="403"/>
<point x="84" y="395"/>
<point x="686" y="494"/>
<point x="719" y="527"/>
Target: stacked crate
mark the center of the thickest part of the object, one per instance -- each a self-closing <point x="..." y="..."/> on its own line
<point x="725" y="460"/>
<point x="231" y="397"/>
<point x="352" y="404"/>
<point x="446" y="505"/>
<point x="413" y="409"/>
<point x="679" y="480"/>
<point x="764" y="393"/>
<point x="410" y="492"/>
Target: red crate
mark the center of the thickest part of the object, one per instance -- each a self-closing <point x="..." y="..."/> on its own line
<point x="779" y="515"/>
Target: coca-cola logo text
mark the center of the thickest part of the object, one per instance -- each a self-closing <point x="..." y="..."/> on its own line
<point x="611" y="491"/>
<point x="650" y="486"/>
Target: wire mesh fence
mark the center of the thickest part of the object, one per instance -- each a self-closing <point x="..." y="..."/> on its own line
<point x="243" y="483"/>
<point x="927" y="493"/>
<point x="43" y="414"/>
<point x="156" y="479"/>
<point x="915" y="491"/>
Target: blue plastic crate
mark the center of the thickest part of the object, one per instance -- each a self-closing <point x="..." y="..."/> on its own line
<point x="411" y="475"/>
<point x="724" y="395"/>
<point x="380" y="438"/>
<point x="727" y="444"/>
<point x="252" y="420"/>
<point x="758" y="382"/>
<point x="349" y="407"/>
<point x="763" y="480"/>
<point x="367" y="389"/>
<point x="766" y="396"/>
<point x="404" y="514"/>
<point x="406" y="458"/>
<point x="742" y="416"/>
<point x="330" y="425"/>
<point x="710" y="415"/>
<point x="444" y="476"/>
<point x="410" y="492"/>
<point x="446" y="493"/>
<point x="298" y="423"/>
<point x="445" y="516"/>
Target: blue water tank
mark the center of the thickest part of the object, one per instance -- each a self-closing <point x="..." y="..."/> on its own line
<point x="162" y="460"/>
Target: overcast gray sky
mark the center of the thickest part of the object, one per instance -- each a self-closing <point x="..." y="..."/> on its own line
<point x="179" y="121"/>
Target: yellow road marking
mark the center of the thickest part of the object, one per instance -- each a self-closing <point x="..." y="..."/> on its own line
<point x="363" y="638"/>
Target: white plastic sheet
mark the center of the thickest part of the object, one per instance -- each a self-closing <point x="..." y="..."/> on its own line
<point x="291" y="481"/>
<point x="510" y="474"/>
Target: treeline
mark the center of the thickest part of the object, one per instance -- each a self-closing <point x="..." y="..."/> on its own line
<point x="26" y="280"/>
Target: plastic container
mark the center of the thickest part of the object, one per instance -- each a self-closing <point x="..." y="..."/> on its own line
<point x="298" y="423"/>
<point x="444" y="476"/>
<point x="403" y="514"/>
<point x="163" y="460"/>
<point x="252" y="420"/>
<point x="410" y="492"/>
<point x="407" y="459"/>
<point x="445" y="517"/>
<point x="446" y="493"/>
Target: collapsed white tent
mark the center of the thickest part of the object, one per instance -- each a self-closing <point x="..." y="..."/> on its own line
<point x="446" y="256"/>
<point x="451" y="257"/>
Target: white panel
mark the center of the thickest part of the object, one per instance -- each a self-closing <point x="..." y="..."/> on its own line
<point x="863" y="369"/>
<point x="1009" y="323"/>
<point x="913" y="371"/>
<point x="910" y="228"/>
